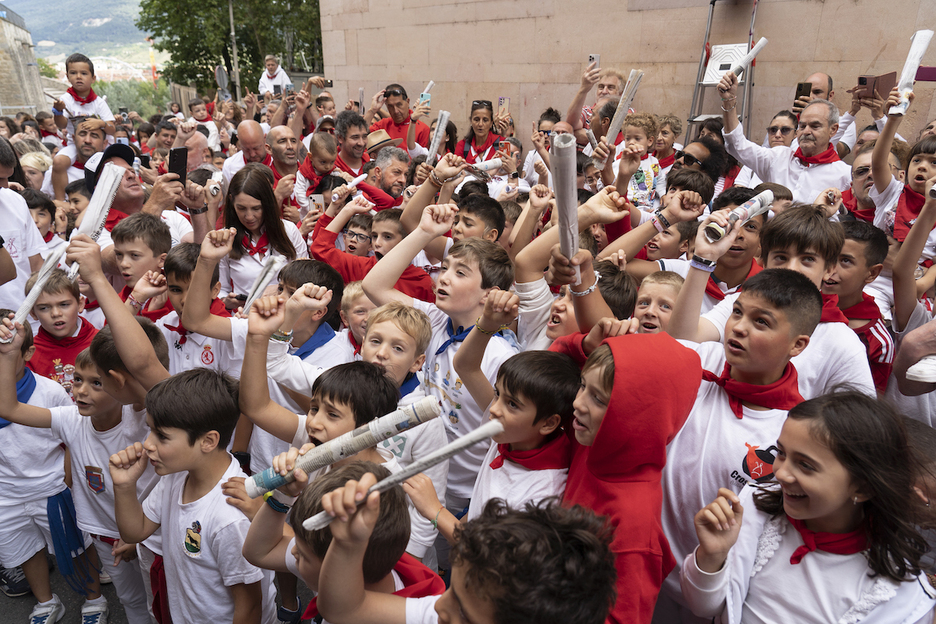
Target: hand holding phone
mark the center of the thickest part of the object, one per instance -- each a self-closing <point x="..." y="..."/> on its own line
<point x="178" y="159"/>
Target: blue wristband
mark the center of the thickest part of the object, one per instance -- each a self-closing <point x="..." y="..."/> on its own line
<point x="57" y="112"/>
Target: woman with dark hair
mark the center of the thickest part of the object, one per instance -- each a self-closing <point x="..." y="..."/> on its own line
<point x="251" y="209"/>
<point x="479" y="144"/>
<point x="712" y="128"/>
<point x="780" y="133"/>
<point x="8" y="127"/>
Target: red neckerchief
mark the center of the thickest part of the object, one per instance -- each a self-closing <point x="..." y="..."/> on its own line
<point x="357" y="347"/>
<point x="730" y="177"/>
<point x="263" y="244"/>
<point x="418" y="582"/>
<point x="46" y="133"/>
<point x="78" y="164"/>
<point x="179" y="330"/>
<point x="217" y="309"/>
<point x="826" y="157"/>
<point x="666" y="162"/>
<point x="48" y="236"/>
<point x="554" y="455"/>
<point x="277" y="176"/>
<point x="781" y="394"/>
<point x="711" y="285"/>
<point x="113" y="218"/>
<point x="830" y="310"/>
<point x="644" y="157"/>
<point x="91" y="305"/>
<point x="851" y="205"/>
<point x="205" y="120"/>
<point x="481" y="152"/>
<point x="866" y="309"/>
<point x="908" y="209"/>
<point x="271" y="77"/>
<point x="52" y="351"/>
<point x="835" y="543"/>
<point x="91" y="96"/>
<point x="310" y="174"/>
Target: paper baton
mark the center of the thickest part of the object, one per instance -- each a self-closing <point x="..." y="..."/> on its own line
<point x="352" y="184"/>
<point x="562" y="163"/>
<point x="487" y="430"/>
<point x="742" y="64"/>
<point x="617" y="122"/>
<point x="42" y="277"/>
<point x="438" y="136"/>
<point x="271" y="266"/>
<point x="349" y="444"/>
<point x="95" y="215"/>
<point x="918" y="45"/>
<point x="757" y="205"/>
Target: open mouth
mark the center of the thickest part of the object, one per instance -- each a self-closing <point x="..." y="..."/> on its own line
<point x="554" y="321"/>
<point x="649" y="327"/>
<point x="734" y="345"/>
<point x="441" y="292"/>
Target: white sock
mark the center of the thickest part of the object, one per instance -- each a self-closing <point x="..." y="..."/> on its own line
<point x="97" y="600"/>
<point x="50" y="602"/>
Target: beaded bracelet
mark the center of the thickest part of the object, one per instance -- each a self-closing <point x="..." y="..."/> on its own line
<point x="485" y="331"/>
<point x="589" y="290"/>
<point x="435" y="522"/>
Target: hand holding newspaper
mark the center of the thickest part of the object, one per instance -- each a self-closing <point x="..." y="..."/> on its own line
<point x="95" y="215"/>
<point x="271" y="267"/>
<point x="617" y="122"/>
<point x="918" y="45"/>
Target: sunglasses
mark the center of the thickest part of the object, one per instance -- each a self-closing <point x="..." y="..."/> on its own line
<point x="688" y="159"/>
<point x="394" y="93"/>
<point x="482" y="103"/>
<point x="784" y="130"/>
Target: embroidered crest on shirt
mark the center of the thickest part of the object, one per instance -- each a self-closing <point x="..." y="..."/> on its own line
<point x="207" y="357"/>
<point x="95" y="478"/>
<point x="192" y="541"/>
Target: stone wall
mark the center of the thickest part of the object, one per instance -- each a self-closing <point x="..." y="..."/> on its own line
<point x="20" y="89"/>
<point x="534" y="51"/>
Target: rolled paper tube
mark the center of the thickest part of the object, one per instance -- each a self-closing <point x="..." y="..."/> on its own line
<point x="755" y="206"/>
<point x="562" y="164"/>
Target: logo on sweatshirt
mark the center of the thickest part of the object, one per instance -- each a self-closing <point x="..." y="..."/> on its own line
<point x="207" y="357"/>
<point x="758" y="464"/>
<point x="95" y="478"/>
<point x="192" y="541"/>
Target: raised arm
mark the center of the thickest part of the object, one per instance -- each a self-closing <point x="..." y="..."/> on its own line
<point x="448" y="168"/>
<point x="377" y="103"/>
<point x="379" y="282"/>
<point x="880" y="168"/>
<point x="574" y="115"/>
<point x="905" y="264"/>
<point x="196" y="315"/>
<point x="528" y="221"/>
<point x="10" y="407"/>
<point x="500" y="310"/>
<point x="126" y="468"/>
<point x="297" y="122"/>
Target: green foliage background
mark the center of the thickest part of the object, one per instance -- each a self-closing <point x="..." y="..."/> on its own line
<point x="137" y="96"/>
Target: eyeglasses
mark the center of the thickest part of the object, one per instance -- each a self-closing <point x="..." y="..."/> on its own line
<point x="355" y="236"/>
<point x="784" y="130"/>
<point x="688" y="159"/>
<point x="394" y="93"/>
<point x="482" y="104"/>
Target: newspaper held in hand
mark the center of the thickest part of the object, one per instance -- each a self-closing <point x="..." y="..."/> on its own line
<point x="429" y="87"/>
<point x="562" y="164"/>
<point x="487" y="430"/>
<point x="42" y="277"/>
<point x="489" y="165"/>
<point x="360" y="99"/>
<point x="757" y="205"/>
<point x="617" y="122"/>
<point x="349" y="444"/>
<point x="438" y="136"/>
<point x="746" y="60"/>
<point x="923" y="371"/>
<point x="591" y="139"/>
<point x="918" y="45"/>
<point x="352" y="185"/>
<point x="95" y="215"/>
<point x="271" y="267"/>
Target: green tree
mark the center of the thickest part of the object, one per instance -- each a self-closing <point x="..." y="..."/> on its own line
<point x="197" y="36"/>
<point x="45" y="69"/>
<point x="135" y="95"/>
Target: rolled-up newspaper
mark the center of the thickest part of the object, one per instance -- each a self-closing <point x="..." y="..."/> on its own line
<point x="745" y="60"/>
<point x="487" y="430"/>
<point x="365" y="436"/>
<point x="757" y="205"/>
<point x="438" y="136"/>
<point x="489" y="165"/>
<point x="42" y="277"/>
<point x="271" y="267"/>
<point x="918" y="45"/>
<point x="429" y="87"/>
<point x="352" y="185"/>
<point x="360" y="99"/>
<point x="562" y="165"/>
<point x="617" y="122"/>
<point x="95" y="215"/>
<point x="591" y="139"/>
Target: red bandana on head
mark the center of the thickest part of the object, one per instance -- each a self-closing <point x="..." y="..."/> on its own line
<point x="835" y="543"/>
<point x="830" y="310"/>
<point x="91" y="96"/>
<point x="781" y="394"/>
<point x="554" y="455"/>
<point x="826" y="157"/>
<point x="260" y="247"/>
<point x="711" y="286"/>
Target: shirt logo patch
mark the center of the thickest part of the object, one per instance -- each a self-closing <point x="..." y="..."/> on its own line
<point x="95" y="478"/>
<point x="758" y="464"/>
<point x="192" y="541"/>
<point x="207" y="357"/>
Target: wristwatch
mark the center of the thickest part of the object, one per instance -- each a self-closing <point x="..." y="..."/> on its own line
<point x="198" y="211"/>
<point x="515" y="175"/>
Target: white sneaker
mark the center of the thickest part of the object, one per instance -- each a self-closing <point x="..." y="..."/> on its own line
<point x="105" y="578"/>
<point x="94" y="613"/>
<point x="48" y="614"/>
<point x="924" y="370"/>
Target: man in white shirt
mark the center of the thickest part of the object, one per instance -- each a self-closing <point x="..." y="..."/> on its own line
<point x="252" y="144"/>
<point x="273" y="76"/>
<point x="812" y="168"/>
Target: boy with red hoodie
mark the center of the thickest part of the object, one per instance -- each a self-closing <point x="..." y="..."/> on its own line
<point x="621" y="431"/>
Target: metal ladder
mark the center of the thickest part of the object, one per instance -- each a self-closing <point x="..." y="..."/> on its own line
<point x="713" y="63"/>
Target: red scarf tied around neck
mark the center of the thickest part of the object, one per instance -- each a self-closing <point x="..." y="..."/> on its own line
<point x="217" y="309"/>
<point x="835" y="543"/>
<point x="554" y="455"/>
<point x="781" y="394"/>
<point x="711" y="285"/>
<point x="263" y="244"/>
<point x="91" y="96"/>
<point x="826" y="157"/>
<point x="830" y="310"/>
<point x="309" y="173"/>
<point x="909" y="206"/>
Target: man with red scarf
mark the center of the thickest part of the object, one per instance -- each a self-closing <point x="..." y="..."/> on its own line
<point x="252" y="149"/>
<point x="283" y="148"/>
<point x="811" y="168"/>
<point x="273" y="76"/>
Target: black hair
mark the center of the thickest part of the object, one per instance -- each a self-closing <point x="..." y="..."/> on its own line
<point x="804" y="228"/>
<point x="166" y="125"/>
<point x="181" y="261"/>
<point x="79" y="58"/>
<point x="687" y="230"/>
<point x="104" y="351"/>
<point x="303" y="271"/>
<point x="396" y="87"/>
<point x="363" y="386"/>
<point x="473" y="187"/>
<point x="256" y="181"/>
<point x="583" y="195"/>
<point x="36" y="200"/>
<point x="692" y="180"/>
<point x="197" y="401"/>
<point x="618" y="288"/>
<point x="550" y="114"/>
<point x="716" y="165"/>
<point x="347" y="120"/>
<point x="874" y="239"/>
<point x="736" y="195"/>
<point x="485" y="208"/>
<point x="792" y="293"/>
<point x="477" y="105"/>
<point x="549" y="382"/>
<point x="78" y="187"/>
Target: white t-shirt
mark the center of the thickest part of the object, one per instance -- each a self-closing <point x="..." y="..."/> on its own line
<point x="921" y="407"/>
<point x="179" y="226"/>
<point x="202" y="542"/>
<point x="422" y="610"/>
<point x="90" y="455"/>
<point x="54" y="243"/>
<point x="237" y="276"/>
<point x="536" y="301"/>
<point x="32" y="462"/>
<point x="22" y="240"/>
<point x="231" y="166"/>
<point x="714" y="449"/>
<point x="886" y="210"/>
<point x="279" y="78"/>
<point x="459" y="409"/>
<point x="97" y="107"/>
<point x="514" y="483"/>
<point x="529" y="169"/>
<point x="74" y="173"/>
<point x="197" y="351"/>
<point x="214" y="137"/>
<point x="834" y="356"/>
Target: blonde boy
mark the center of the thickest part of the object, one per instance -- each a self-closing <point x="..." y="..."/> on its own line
<point x="656" y="299"/>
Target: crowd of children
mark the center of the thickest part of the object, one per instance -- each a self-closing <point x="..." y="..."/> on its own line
<point x="691" y="428"/>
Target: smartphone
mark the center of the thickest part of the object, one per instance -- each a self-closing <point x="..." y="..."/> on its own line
<point x="277" y="90"/>
<point x="145" y="160"/>
<point x="123" y="112"/>
<point x="596" y="59"/>
<point x="803" y="89"/>
<point x="503" y="106"/>
<point x="122" y="140"/>
<point x="178" y="159"/>
<point x="425" y="98"/>
<point x="329" y="83"/>
<point x="883" y="84"/>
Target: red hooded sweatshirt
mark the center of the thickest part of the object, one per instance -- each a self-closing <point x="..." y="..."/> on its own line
<point x="656" y="381"/>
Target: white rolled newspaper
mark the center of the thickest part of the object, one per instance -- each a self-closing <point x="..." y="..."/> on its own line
<point x="562" y="169"/>
<point x="429" y="87"/>
<point x="591" y="139"/>
<point x="617" y="122"/>
<point x="42" y="277"/>
<point x="438" y="136"/>
<point x="95" y="215"/>
<point x="489" y="165"/>
<point x="745" y="60"/>
<point x="487" y="430"/>
<point x="918" y="45"/>
<point x="348" y="444"/>
<point x="271" y="267"/>
<point x="757" y="205"/>
<point x="360" y="99"/>
<point x="352" y="184"/>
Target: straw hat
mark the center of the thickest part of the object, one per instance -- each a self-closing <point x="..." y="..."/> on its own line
<point x="379" y="139"/>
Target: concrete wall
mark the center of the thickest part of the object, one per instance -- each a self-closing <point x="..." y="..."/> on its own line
<point x="20" y="89"/>
<point x="534" y="51"/>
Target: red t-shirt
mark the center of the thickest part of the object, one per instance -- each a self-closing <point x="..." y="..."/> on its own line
<point x="399" y="131"/>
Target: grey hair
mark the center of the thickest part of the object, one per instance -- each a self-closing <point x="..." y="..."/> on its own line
<point x="833" y="110"/>
<point x="389" y="154"/>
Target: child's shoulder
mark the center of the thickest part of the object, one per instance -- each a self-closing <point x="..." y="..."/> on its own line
<point x="49" y="393"/>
